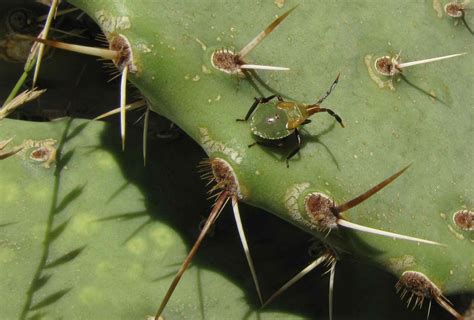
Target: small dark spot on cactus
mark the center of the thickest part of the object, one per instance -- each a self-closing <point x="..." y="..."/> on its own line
<point x="385" y="66"/>
<point x="121" y="44"/>
<point x="45" y="154"/>
<point x="464" y="219"/>
<point x="40" y="154"/>
<point x="226" y="60"/>
<point x="457" y="10"/>
<point x="320" y="209"/>
<point x="454" y="9"/>
<point x="219" y="171"/>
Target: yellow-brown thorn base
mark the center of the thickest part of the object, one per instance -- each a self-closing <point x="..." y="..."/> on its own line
<point x="120" y="43"/>
<point x="319" y="208"/>
<point x="227" y="61"/>
<point x="219" y="173"/>
<point x="419" y="286"/>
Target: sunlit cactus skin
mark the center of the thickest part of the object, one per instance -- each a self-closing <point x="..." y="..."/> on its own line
<point x="388" y="122"/>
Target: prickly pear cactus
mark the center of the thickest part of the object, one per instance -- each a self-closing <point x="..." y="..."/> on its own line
<point x="79" y="231"/>
<point x="92" y="231"/>
<point x="420" y="118"/>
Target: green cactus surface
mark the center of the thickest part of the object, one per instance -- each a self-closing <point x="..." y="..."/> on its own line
<point x="385" y="129"/>
<point x="423" y="118"/>
<point x="96" y="238"/>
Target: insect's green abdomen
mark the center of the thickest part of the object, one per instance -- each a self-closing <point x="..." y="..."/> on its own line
<point x="270" y="120"/>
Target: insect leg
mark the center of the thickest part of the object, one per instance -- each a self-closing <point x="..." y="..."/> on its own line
<point x="296" y="150"/>
<point x="267" y="99"/>
<point x="255" y="104"/>
<point x="265" y="144"/>
<point x="332" y="113"/>
<point x="333" y="85"/>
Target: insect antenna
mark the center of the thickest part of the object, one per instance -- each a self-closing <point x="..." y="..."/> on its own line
<point x="315" y="108"/>
<point x="333" y="85"/>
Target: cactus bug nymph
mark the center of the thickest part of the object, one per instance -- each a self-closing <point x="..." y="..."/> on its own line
<point x="273" y="121"/>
